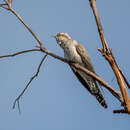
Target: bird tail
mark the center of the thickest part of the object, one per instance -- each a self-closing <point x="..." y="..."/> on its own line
<point x="101" y="100"/>
<point x="91" y="85"/>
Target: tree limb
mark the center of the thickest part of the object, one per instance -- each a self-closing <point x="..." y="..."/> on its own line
<point x="101" y="81"/>
<point x="20" y="52"/>
<point x="9" y="4"/>
<point x="32" y="78"/>
<point x="125" y="79"/>
<point x="108" y="54"/>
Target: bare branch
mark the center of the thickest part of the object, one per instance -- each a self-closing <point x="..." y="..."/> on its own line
<point x="27" y="26"/>
<point x="55" y="56"/>
<point x="32" y="78"/>
<point x="120" y="111"/>
<point x="18" y="53"/>
<point x="101" y="81"/>
<point x="19" y="107"/>
<point x="100" y="29"/>
<point x="125" y="79"/>
<point x="10" y="1"/>
<point x="4" y="6"/>
<point x="108" y="54"/>
<point x="9" y="4"/>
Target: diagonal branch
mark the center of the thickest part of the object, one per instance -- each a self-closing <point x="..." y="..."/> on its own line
<point x="20" y="52"/>
<point x="99" y="26"/>
<point x="125" y="79"/>
<point x="4" y="6"/>
<point x="27" y="26"/>
<point x="10" y="1"/>
<point x="9" y="8"/>
<point x="101" y="81"/>
<point x="32" y="78"/>
<point x="108" y="54"/>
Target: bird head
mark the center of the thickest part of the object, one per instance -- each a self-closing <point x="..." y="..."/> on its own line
<point x="62" y="38"/>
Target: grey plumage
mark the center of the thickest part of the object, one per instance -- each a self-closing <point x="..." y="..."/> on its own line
<point x="74" y="51"/>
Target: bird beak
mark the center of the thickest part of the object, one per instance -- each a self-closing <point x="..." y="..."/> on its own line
<point x="54" y="36"/>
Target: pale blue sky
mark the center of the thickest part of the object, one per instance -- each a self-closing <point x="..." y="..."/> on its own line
<point x="56" y="100"/>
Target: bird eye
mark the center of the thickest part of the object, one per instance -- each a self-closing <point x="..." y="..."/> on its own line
<point x="60" y="42"/>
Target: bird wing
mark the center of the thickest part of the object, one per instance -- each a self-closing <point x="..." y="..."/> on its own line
<point x="87" y="81"/>
<point x="84" y="57"/>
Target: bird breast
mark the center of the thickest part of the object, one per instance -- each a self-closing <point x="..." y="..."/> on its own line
<point x="70" y="53"/>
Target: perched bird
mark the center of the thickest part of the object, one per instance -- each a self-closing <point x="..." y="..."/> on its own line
<point x="74" y="51"/>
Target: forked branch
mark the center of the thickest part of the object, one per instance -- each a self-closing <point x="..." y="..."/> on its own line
<point x="31" y="79"/>
<point x="108" y="54"/>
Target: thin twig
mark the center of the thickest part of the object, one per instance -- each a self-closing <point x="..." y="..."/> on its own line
<point x="19" y="107"/>
<point x="4" y="6"/>
<point x="9" y="4"/>
<point x="55" y="56"/>
<point x="27" y="26"/>
<point x="18" y="53"/>
<point x="32" y="78"/>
